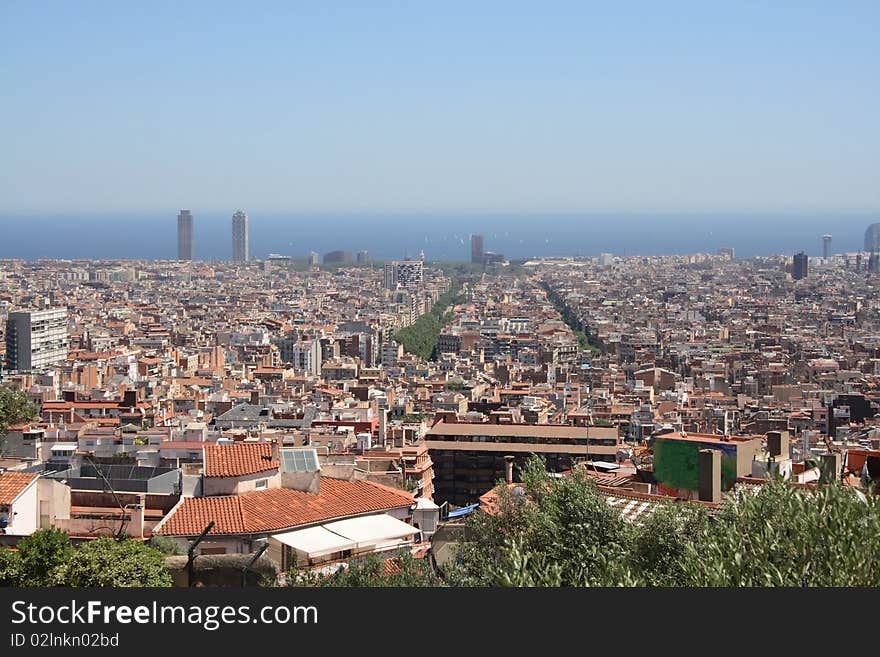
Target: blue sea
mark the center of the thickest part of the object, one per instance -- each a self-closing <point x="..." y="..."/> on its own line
<point x="153" y="235"/>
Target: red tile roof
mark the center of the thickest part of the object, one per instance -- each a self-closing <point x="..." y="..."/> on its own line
<point x="12" y="484"/>
<point x="238" y="459"/>
<point x="281" y="508"/>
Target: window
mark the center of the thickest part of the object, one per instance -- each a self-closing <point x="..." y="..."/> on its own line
<point x="261" y="484"/>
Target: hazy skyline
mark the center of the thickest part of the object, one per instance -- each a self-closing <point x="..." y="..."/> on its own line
<point x="532" y="107"/>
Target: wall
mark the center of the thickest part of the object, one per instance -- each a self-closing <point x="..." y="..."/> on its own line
<point x="239" y="485"/>
<point x="676" y="462"/>
<point x="26" y="509"/>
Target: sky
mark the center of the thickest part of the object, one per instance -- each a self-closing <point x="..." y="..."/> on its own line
<point x="628" y="106"/>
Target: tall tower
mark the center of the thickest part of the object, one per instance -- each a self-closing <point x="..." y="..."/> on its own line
<point x="826" y="246"/>
<point x="799" y="266"/>
<point x="240" y="236"/>
<point x="477" y="249"/>
<point x="184" y="235"/>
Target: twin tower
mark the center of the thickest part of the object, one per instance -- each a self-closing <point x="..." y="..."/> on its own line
<point x="239" y="236"/>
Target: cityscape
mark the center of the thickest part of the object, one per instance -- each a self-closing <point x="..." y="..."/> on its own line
<point x="374" y="407"/>
<point x="400" y="297"/>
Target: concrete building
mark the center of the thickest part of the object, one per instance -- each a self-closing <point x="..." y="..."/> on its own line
<point x="477" y="249"/>
<point x="36" y="339"/>
<point x="826" y="246"/>
<point x="469" y="458"/>
<point x="408" y="274"/>
<point x="240" y="246"/>
<point x="799" y="266"/>
<point x="184" y="235"/>
<point x="363" y="257"/>
<point x="872" y="238"/>
<point x="337" y="257"/>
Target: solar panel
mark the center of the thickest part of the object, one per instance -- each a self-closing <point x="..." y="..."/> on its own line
<point x="299" y="460"/>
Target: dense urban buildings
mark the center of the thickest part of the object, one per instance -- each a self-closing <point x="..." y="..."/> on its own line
<point x="259" y="387"/>
<point x="184" y="235"/>
<point x="240" y="246"/>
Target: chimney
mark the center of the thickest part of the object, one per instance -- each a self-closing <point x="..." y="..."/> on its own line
<point x="777" y="444"/>
<point x="508" y="469"/>
<point x="830" y="468"/>
<point x="276" y="455"/>
<point x="136" y="524"/>
<point x="709" y="475"/>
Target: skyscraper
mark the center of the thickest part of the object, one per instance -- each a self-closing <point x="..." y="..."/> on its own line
<point x="36" y="338"/>
<point x="872" y="238"/>
<point x="477" y="249"/>
<point x="184" y="235"/>
<point x="799" y="266"/>
<point x="240" y="236"/>
<point x="826" y="246"/>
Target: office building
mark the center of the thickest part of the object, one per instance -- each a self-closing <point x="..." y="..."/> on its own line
<point x="477" y="249"/>
<point x="184" y="235"/>
<point x="240" y="245"/>
<point x="36" y="339"/>
<point x="872" y="238"/>
<point x="826" y="246"/>
<point x="363" y="257"/>
<point x="313" y="258"/>
<point x="799" y="266"/>
<point x="469" y="459"/>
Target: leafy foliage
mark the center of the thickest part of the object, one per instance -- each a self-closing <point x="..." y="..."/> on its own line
<point x="420" y="338"/>
<point x="40" y="556"/>
<point x="557" y="532"/>
<point x="14" y="409"/>
<point x="165" y="545"/>
<point x="561" y="532"/>
<point x="786" y="536"/>
<point x="405" y="570"/>
<point x="47" y="558"/>
<point x="105" y="562"/>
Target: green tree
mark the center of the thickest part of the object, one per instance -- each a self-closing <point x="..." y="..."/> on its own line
<point x="40" y="555"/>
<point x="165" y="545"/>
<point x="105" y="562"/>
<point x="401" y="571"/>
<point x="548" y="532"/>
<point x="10" y="568"/>
<point x="14" y="409"/>
<point x="788" y="536"/>
<point x="660" y="544"/>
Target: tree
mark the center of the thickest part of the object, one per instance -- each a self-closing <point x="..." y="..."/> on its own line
<point x="10" y="568"/>
<point x="40" y="555"/>
<point x="165" y="545"/>
<point x="14" y="409"/>
<point x="658" y="545"/>
<point x="548" y="532"/>
<point x="788" y="536"/>
<point x="374" y="571"/>
<point x="106" y="562"/>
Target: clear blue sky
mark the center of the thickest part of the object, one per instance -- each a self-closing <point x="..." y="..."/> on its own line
<point x="496" y="106"/>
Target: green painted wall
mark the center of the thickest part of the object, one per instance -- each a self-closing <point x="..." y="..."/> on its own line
<point x="676" y="463"/>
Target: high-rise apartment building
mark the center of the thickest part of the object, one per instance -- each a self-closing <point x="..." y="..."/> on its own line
<point x="240" y="236"/>
<point x="184" y="235"/>
<point x="799" y="266"/>
<point x="36" y="339"/>
<point x="408" y="274"/>
<point x="477" y="249"/>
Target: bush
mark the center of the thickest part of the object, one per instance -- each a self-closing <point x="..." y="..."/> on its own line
<point x="40" y="556"/>
<point x="105" y="562"/>
<point x="404" y="570"/>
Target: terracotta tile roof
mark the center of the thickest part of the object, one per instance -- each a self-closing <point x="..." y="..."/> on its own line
<point x="281" y="508"/>
<point x="12" y="484"/>
<point x="238" y="459"/>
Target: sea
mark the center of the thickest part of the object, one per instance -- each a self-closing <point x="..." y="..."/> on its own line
<point x="441" y="236"/>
